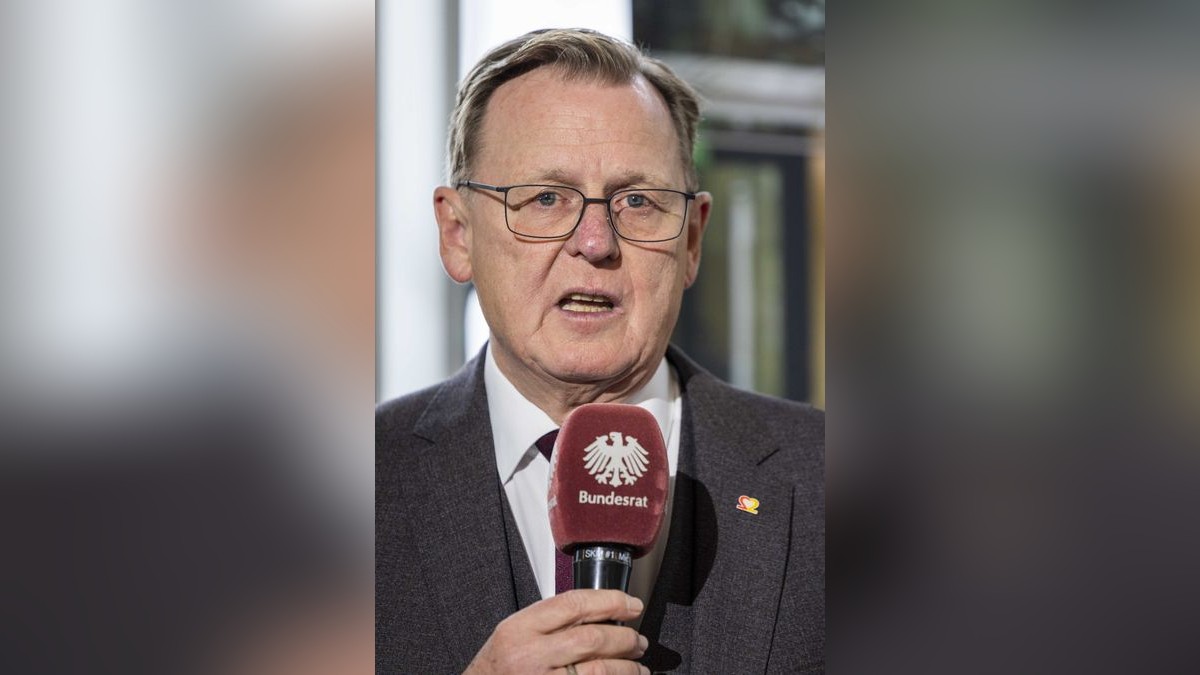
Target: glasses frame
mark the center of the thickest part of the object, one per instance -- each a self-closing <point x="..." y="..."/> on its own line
<point x="606" y="201"/>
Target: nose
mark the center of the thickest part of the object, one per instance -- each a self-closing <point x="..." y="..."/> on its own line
<point x="594" y="238"/>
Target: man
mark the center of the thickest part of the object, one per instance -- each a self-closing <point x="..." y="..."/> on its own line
<point x="573" y="208"/>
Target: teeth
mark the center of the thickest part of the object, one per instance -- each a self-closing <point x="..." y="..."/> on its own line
<point x="587" y="298"/>
<point x="581" y="307"/>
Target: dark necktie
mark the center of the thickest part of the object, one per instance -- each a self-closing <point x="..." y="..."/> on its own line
<point x="564" y="576"/>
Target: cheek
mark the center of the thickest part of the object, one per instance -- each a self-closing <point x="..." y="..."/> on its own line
<point x="662" y="286"/>
<point x="508" y="284"/>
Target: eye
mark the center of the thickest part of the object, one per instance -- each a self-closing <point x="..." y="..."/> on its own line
<point x="639" y="200"/>
<point x="543" y="198"/>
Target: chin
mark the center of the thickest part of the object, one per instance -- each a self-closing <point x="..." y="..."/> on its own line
<point x="585" y="375"/>
<point x="607" y="370"/>
<point x="586" y="370"/>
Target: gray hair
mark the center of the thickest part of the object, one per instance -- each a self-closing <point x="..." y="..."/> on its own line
<point x="580" y="54"/>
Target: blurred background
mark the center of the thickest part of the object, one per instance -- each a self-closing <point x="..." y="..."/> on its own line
<point x="755" y="317"/>
<point x="1012" y="470"/>
<point x="187" y="344"/>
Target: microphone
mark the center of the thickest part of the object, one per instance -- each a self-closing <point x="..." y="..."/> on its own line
<point x="608" y="491"/>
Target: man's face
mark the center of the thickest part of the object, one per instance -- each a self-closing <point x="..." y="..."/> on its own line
<point x="589" y="309"/>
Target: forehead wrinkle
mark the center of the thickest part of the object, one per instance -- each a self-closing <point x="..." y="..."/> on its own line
<point x="615" y="182"/>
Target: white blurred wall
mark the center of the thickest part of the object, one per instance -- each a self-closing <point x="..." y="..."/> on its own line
<point x="415" y="94"/>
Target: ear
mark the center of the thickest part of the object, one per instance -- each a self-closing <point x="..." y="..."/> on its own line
<point x="454" y="237"/>
<point x="697" y="220"/>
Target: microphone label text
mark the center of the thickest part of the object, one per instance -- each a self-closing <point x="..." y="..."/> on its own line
<point x="612" y="499"/>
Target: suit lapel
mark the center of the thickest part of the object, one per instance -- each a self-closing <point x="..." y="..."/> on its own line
<point x="455" y="509"/>
<point x="749" y="556"/>
<point x="734" y="560"/>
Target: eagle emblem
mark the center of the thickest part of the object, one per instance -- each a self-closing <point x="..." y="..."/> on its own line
<point x="619" y="462"/>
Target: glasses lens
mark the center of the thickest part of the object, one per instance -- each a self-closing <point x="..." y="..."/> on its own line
<point x="649" y="215"/>
<point x="543" y="210"/>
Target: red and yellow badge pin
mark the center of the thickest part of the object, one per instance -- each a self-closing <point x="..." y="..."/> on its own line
<point x="748" y="504"/>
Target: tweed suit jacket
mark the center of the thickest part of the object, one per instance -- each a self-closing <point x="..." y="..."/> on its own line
<point x="736" y="592"/>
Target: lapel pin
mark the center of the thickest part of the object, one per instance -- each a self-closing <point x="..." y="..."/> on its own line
<point x="748" y="504"/>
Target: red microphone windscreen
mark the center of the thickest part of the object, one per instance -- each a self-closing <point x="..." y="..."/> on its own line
<point x="608" y="478"/>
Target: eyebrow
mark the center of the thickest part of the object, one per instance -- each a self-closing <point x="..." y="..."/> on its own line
<point x="622" y="180"/>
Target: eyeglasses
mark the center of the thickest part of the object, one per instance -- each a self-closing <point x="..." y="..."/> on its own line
<point x="554" y="211"/>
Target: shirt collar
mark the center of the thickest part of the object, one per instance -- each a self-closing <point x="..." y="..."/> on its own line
<point x="517" y="423"/>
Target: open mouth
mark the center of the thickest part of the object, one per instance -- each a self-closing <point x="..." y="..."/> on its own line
<point x="582" y="302"/>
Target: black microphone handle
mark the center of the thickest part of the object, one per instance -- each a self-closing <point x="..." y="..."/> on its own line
<point x="603" y="566"/>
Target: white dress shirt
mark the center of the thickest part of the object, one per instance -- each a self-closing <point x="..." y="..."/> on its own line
<point x="517" y="424"/>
